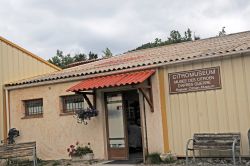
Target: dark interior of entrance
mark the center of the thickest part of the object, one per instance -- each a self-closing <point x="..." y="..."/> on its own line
<point x="133" y="118"/>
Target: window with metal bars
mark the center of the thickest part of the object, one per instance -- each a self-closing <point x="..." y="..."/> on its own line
<point x="33" y="107"/>
<point x="72" y="103"/>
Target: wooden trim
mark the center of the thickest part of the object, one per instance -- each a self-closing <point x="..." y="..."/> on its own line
<point x="27" y="109"/>
<point x="84" y="94"/>
<point x="125" y="149"/>
<point x="33" y="116"/>
<point x="163" y="101"/>
<point x="143" y="86"/>
<point x="66" y="113"/>
<point x="29" y="53"/>
<point x="63" y="102"/>
<point x="148" y="98"/>
<point x="87" y="100"/>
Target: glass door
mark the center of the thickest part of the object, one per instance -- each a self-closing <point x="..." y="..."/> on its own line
<point x="117" y="137"/>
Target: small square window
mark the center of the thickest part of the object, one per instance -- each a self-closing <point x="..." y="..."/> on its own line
<point x="72" y="103"/>
<point x="33" y="107"/>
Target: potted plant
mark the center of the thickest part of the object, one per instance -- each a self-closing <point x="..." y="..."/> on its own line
<point x="85" y="114"/>
<point x="78" y="152"/>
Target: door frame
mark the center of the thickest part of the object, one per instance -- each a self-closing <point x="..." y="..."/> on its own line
<point x="107" y="128"/>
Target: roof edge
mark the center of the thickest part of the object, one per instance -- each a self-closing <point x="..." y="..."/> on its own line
<point x="28" y="53"/>
<point x="192" y="41"/>
<point x="155" y="66"/>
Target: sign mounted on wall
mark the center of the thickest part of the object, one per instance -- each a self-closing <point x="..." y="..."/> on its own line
<point x="194" y="80"/>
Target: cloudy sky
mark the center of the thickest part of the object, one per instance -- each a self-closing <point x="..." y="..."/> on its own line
<point x="43" y="26"/>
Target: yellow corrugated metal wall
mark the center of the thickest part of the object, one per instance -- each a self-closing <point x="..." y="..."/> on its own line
<point x="223" y="110"/>
<point x="15" y="65"/>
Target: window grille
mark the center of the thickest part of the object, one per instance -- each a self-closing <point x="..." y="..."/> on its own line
<point x="33" y="107"/>
<point x="72" y="103"/>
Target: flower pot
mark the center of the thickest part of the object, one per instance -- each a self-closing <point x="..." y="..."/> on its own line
<point x="88" y="156"/>
<point x="76" y="158"/>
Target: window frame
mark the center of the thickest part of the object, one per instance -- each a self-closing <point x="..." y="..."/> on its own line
<point x="39" y="113"/>
<point x="63" y="99"/>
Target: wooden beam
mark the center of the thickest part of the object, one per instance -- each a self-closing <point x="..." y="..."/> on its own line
<point x="88" y="101"/>
<point x="149" y="100"/>
<point x="84" y="94"/>
<point x="87" y="93"/>
<point x="143" y="86"/>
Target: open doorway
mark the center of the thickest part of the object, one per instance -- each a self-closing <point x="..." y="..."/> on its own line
<point x="133" y="117"/>
<point x="124" y="126"/>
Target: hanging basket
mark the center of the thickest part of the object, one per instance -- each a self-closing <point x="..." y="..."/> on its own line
<point x="85" y="114"/>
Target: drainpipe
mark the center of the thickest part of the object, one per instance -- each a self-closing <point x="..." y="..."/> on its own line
<point x="145" y="126"/>
<point x="7" y="127"/>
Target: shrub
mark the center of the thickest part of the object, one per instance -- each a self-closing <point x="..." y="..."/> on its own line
<point x="77" y="150"/>
<point x="168" y="157"/>
<point x="153" y="158"/>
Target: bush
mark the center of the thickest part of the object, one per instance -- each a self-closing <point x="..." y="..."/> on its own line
<point x="77" y="150"/>
<point x="168" y="158"/>
<point x="153" y="158"/>
<point x="83" y="150"/>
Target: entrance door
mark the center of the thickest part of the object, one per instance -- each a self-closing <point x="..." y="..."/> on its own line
<point x="117" y="137"/>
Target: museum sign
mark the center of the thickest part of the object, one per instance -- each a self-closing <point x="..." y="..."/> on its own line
<point x="194" y="80"/>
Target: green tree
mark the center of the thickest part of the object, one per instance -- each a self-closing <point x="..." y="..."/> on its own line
<point x="174" y="37"/>
<point x="188" y="35"/>
<point x="63" y="61"/>
<point x="222" y="32"/>
<point x="107" y="53"/>
<point x="80" y="57"/>
<point x="92" y="55"/>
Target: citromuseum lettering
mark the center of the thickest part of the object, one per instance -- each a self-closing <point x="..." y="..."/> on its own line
<point x="194" y="80"/>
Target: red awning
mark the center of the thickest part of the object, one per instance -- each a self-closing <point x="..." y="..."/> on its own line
<point x="112" y="80"/>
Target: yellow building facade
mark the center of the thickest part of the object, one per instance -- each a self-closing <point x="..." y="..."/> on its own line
<point x="17" y="63"/>
<point x="181" y="89"/>
<point x="211" y="111"/>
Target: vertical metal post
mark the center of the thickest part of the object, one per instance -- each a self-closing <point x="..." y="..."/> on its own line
<point x="233" y="151"/>
<point x="249" y="139"/>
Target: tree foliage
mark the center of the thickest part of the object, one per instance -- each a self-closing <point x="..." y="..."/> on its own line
<point x="92" y="55"/>
<point x="63" y="61"/>
<point x="107" y="53"/>
<point x="174" y="37"/>
<point x="222" y="32"/>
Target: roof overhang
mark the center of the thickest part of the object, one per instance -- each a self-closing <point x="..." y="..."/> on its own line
<point x="114" y="80"/>
<point x="153" y="66"/>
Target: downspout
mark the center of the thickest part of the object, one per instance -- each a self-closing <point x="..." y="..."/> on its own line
<point x="145" y="125"/>
<point x="7" y="113"/>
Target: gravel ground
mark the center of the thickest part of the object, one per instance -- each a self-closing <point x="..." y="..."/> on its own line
<point x="180" y="162"/>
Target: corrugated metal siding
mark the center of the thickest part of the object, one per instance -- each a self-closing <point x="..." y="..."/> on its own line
<point x="223" y="110"/>
<point x="16" y="65"/>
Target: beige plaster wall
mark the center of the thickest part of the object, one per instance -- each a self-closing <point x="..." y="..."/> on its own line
<point x="54" y="133"/>
<point x="16" y="64"/>
<point x="153" y="119"/>
<point x="222" y="110"/>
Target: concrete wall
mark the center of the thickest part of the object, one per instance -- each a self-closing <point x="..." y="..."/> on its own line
<point x="222" y="110"/>
<point x="54" y="133"/>
<point x="15" y="64"/>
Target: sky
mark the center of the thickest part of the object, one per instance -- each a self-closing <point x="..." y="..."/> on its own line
<point x="74" y="26"/>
